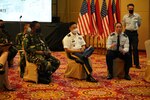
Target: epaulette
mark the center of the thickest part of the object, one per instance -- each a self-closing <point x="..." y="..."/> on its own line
<point x="26" y="35"/>
<point x="112" y="34"/>
<point x="69" y="35"/>
<point x="125" y="35"/>
<point x="78" y="33"/>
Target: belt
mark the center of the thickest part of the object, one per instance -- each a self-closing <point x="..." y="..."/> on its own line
<point x="131" y="30"/>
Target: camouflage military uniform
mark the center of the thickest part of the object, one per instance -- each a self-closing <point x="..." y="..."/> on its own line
<point x="46" y="62"/>
<point x="4" y="39"/>
<point x="19" y="39"/>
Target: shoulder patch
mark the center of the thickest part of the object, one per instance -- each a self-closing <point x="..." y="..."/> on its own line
<point x="125" y="35"/>
<point x="112" y="34"/>
<point x="69" y="35"/>
<point x="78" y="33"/>
<point x="26" y="35"/>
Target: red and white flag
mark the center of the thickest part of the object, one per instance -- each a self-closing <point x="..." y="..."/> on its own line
<point x="118" y="10"/>
<point x="83" y="19"/>
<point x="114" y="11"/>
<point x="93" y="17"/>
<point x="110" y="16"/>
<point x="105" y="21"/>
<point x="91" y="27"/>
<point x="98" y="18"/>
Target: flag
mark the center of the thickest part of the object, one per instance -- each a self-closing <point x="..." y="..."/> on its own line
<point x="114" y="11"/>
<point x="90" y="18"/>
<point x="93" y="17"/>
<point x="117" y="11"/>
<point x="83" y="19"/>
<point x="110" y="17"/>
<point x="98" y="18"/>
<point x="105" y="21"/>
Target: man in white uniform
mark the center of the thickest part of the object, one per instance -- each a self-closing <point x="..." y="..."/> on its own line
<point x="132" y="22"/>
<point x="74" y="44"/>
<point x="118" y="47"/>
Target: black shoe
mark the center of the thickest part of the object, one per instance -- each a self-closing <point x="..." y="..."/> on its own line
<point x="21" y="75"/>
<point x="91" y="79"/>
<point x="127" y="77"/>
<point x="1" y="66"/>
<point x="44" y="80"/>
<point x="9" y="89"/>
<point x="109" y="77"/>
<point x="138" y="67"/>
<point x="2" y="71"/>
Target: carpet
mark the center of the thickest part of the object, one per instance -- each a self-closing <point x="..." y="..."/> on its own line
<point x="62" y="88"/>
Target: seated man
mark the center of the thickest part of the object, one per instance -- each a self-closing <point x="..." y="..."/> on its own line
<point x="12" y="50"/>
<point x="38" y="52"/>
<point x="74" y="44"/>
<point x="19" y="38"/>
<point x="117" y="46"/>
<point x="5" y="53"/>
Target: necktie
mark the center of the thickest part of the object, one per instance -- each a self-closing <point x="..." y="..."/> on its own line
<point x="118" y="42"/>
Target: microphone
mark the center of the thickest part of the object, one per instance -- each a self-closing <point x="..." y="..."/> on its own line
<point x="21" y="16"/>
<point x="20" y="23"/>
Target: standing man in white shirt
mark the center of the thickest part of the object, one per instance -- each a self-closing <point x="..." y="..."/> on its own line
<point x="74" y="44"/>
<point x="132" y="22"/>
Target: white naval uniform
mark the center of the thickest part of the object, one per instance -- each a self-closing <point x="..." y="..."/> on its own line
<point x="73" y="42"/>
<point x="124" y="42"/>
<point x="132" y="22"/>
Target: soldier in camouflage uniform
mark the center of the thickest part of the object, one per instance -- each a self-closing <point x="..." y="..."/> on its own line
<point x="19" y="39"/>
<point x="13" y="50"/>
<point x="3" y="49"/>
<point x="4" y="39"/>
<point x="7" y="52"/>
<point x="38" y="52"/>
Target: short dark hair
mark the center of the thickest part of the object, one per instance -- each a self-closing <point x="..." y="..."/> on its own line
<point x="32" y="24"/>
<point x="71" y="23"/>
<point x="117" y="23"/>
<point x="1" y="20"/>
<point x="130" y="4"/>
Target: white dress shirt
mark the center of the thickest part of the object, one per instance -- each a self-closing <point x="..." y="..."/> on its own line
<point x="73" y="42"/>
<point x="112" y="39"/>
<point x="132" y="22"/>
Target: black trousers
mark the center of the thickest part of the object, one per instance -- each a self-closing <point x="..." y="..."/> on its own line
<point x="84" y="58"/>
<point x="133" y="49"/>
<point x="12" y="53"/>
<point x="111" y="55"/>
<point x="22" y="62"/>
